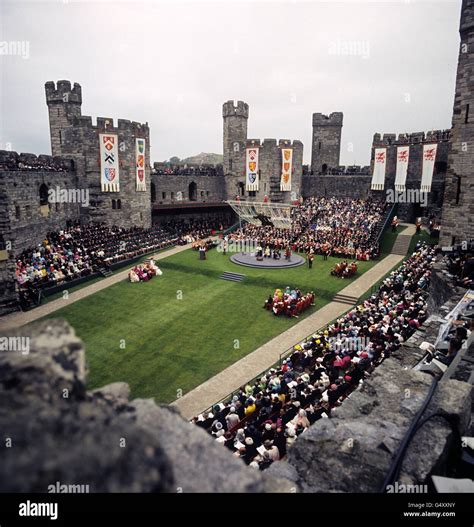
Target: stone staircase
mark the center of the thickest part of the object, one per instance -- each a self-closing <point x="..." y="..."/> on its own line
<point x="345" y="299"/>
<point x="105" y="272"/>
<point x="232" y="277"/>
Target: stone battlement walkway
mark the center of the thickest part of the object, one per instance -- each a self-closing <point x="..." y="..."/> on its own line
<point x="239" y="373"/>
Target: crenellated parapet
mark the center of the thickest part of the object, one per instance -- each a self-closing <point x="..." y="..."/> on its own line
<point x="436" y="136"/>
<point x="230" y="109"/>
<point x="63" y="92"/>
<point x="12" y="161"/>
<point x="333" y="119"/>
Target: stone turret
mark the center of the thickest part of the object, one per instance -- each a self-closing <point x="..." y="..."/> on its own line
<point x="326" y="144"/>
<point x="64" y="105"/>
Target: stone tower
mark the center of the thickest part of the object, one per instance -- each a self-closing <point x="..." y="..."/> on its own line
<point x="64" y="104"/>
<point x="326" y="145"/>
<point x="75" y="136"/>
<point x="235" y="136"/>
<point x="457" y="222"/>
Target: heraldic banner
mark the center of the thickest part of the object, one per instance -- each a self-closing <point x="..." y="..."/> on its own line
<point x="286" y="168"/>
<point x="140" y="164"/>
<point x="403" y="154"/>
<point x="380" y="162"/>
<point x="429" y="158"/>
<point x="251" y="169"/>
<point x="109" y="163"/>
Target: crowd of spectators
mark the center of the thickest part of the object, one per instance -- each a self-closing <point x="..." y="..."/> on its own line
<point x="290" y="302"/>
<point x="263" y="419"/>
<point x="198" y="170"/>
<point x="144" y="272"/>
<point x="344" y="269"/>
<point x="193" y="230"/>
<point x="328" y="226"/>
<point x="81" y="250"/>
<point x="33" y="163"/>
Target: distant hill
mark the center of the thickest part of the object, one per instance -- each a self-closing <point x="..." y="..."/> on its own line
<point x="203" y="158"/>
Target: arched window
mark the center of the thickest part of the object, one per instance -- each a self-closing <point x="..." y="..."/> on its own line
<point x="43" y="194"/>
<point x="192" y="191"/>
<point x="114" y="204"/>
<point x="119" y="203"/>
<point x="153" y="192"/>
<point x="324" y="168"/>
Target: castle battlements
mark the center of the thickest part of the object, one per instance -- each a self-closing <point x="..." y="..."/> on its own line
<point x="341" y="170"/>
<point x="63" y="92"/>
<point x="13" y="161"/>
<point x="229" y="109"/>
<point x="333" y="119"/>
<point x="106" y="124"/>
<point x="411" y="138"/>
<point x="272" y="143"/>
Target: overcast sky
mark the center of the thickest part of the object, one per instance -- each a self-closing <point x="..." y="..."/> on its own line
<point x="389" y="66"/>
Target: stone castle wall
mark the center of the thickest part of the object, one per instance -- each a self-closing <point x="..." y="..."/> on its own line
<point x="24" y="221"/>
<point x="167" y="188"/>
<point x="342" y="182"/>
<point x="344" y="186"/>
<point x="415" y="164"/>
<point x="458" y="209"/>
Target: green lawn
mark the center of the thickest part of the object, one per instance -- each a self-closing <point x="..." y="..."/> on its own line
<point x="178" y="330"/>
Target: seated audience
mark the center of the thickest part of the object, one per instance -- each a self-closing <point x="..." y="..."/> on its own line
<point x="324" y="369"/>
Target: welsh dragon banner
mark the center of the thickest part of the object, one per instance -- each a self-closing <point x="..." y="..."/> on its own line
<point x="140" y="164"/>
<point x="286" y="168"/>
<point x="429" y="158"/>
<point x="251" y="169"/>
<point x="380" y="163"/>
<point x="109" y="163"/>
<point x="403" y="154"/>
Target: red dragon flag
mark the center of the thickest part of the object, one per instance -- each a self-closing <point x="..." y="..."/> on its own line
<point x="251" y="169"/>
<point x="380" y="163"/>
<point x="286" y="168"/>
<point x="109" y="163"/>
<point x="429" y="158"/>
<point x="140" y="164"/>
<point x="403" y="154"/>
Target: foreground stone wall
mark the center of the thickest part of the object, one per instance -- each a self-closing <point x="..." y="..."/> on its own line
<point x="54" y="430"/>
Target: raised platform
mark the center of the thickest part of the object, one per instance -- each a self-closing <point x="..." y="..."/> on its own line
<point x="249" y="260"/>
